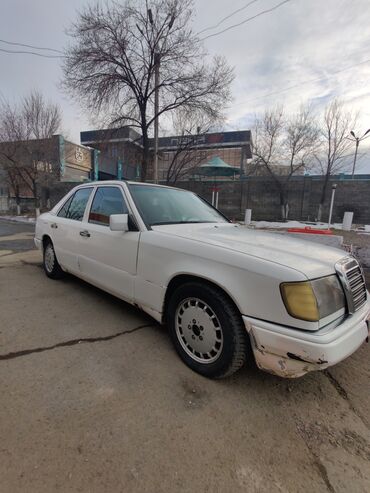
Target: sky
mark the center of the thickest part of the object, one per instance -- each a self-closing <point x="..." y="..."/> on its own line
<point x="304" y="51"/>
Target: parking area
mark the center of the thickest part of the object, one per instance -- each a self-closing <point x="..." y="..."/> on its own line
<point x="94" y="398"/>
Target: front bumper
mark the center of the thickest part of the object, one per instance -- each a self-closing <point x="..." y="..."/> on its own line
<point x="291" y="353"/>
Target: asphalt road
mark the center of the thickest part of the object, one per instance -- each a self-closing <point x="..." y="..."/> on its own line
<point x="11" y="228"/>
<point x="94" y="399"/>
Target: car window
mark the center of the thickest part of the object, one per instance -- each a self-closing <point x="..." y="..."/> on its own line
<point x="107" y="201"/>
<point x="77" y="205"/>
<point x="63" y="211"/>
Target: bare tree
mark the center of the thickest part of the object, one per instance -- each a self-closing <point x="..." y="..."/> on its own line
<point x="25" y="151"/>
<point x="190" y="129"/>
<point x="42" y="119"/>
<point x="117" y="48"/>
<point x="12" y="131"/>
<point x="283" y="146"/>
<point x="332" y="155"/>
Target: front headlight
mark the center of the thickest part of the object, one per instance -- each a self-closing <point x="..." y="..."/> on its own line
<point x="313" y="300"/>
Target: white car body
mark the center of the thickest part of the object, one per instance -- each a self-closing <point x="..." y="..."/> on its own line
<point x="248" y="265"/>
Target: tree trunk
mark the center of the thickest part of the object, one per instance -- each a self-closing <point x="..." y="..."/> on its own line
<point x="286" y="211"/>
<point x="36" y="198"/>
<point x="284" y="206"/>
<point x="146" y="154"/>
<point x="17" y="200"/>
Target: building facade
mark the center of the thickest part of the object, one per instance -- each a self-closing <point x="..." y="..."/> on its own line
<point x="180" y="155"/>
<point x="28" y="169"/>
<point x="121" y="152"/>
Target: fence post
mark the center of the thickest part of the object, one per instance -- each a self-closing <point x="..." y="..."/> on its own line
<point x="248" y="216"/>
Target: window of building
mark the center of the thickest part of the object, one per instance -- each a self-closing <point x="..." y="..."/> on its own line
<point x="114" y="151"/>
<point x="107" y="201"/>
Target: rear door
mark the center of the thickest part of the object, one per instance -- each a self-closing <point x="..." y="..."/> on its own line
<point x="67" y="227"/>
<point x="108" y="258"/>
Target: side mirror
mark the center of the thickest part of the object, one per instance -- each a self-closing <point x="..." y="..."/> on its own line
<point x="118" y="222"/>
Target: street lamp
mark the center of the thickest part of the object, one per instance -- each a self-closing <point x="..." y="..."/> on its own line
<point x="357" y="141"/>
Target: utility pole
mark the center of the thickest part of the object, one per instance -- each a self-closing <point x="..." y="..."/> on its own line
<point x="355" y="158"/>
<point x="156" y="109"/>
<point x="157" y="61"/>
<point x="357" y="141"/>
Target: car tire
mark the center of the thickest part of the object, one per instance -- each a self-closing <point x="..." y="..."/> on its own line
<point x="207" y="330"/>
<point x="50" y="263"/>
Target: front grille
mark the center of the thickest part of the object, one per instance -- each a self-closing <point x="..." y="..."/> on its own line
<point x="357" y="284"/>
<point x="353" y="282"/>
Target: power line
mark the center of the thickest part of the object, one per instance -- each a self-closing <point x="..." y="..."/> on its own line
<point x="303" y="82"/>
<point x="263" y="12"/>
<point x="228" y="17"/>
<point x="30" y="46"/>
<point x="31" y="53"/>
<point x="206" y="29"/>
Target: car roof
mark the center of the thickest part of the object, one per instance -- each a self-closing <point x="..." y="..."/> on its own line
<point x="129" y="182"/>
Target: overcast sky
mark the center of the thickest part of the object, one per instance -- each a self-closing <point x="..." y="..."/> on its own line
<point x="306" y="50"/>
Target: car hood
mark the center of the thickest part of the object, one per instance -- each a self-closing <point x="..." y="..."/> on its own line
<point x="312" y="259"/>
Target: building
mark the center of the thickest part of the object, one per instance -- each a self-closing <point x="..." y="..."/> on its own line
<point x="187" y="152"/>
<point x="278" y="169"/>
<point x="121" y="151"/>
<point x="29" y="168"/>
<point x="4" y="193"/>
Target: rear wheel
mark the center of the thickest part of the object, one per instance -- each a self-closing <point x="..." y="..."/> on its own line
<point x="207" y="330"/>
<point x="51" y="266"/>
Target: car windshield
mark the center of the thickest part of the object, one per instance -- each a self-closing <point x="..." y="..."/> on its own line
<point x="159" y="205"/>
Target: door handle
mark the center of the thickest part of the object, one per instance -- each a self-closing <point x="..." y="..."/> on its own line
<point x="85" y="233"/>
<point x="54" y="225"/>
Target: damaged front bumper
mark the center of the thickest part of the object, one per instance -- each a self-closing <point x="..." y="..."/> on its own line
<point x="291" y="353"/>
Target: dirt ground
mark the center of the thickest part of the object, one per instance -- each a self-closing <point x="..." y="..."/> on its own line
<point x="94" y="399"/>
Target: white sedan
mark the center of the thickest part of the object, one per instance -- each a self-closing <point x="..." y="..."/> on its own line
<point x="226" y="293"/>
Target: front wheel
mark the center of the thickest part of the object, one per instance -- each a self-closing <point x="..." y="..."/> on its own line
<point x="51" y="266"/>
<point x="207" y="330"/>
